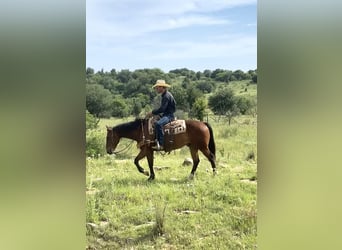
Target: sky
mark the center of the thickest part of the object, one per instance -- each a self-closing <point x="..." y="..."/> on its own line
<point x="171" y="34"/>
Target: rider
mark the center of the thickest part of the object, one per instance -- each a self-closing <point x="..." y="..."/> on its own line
<point x="166" y="110"/>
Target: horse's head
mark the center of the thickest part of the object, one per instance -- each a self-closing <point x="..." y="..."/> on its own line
<point x="112" y="140"/>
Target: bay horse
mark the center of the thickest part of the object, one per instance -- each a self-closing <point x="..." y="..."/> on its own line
<point x="198" y="136"/>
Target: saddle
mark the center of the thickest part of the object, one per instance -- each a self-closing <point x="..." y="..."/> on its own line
<point x="172" y="128"/>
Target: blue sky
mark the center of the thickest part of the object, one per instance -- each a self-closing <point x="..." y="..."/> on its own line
<point x="193" y="34"/>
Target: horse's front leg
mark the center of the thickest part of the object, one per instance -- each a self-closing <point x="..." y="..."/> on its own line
<point x="141" y="155"/>
<point x="149" y="155"/>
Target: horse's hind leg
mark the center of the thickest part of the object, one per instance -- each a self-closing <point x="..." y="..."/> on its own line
<point x="141" y="155"/>
<point x="211" y="158"/>
<point x="196" y="160"/>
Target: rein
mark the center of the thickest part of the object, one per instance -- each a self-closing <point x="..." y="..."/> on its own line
<point x="142" y="130"/>
<point x="126" y="148"/>
<point x="130" y="144"/>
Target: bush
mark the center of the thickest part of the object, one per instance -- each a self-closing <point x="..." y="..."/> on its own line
<point x="243" y="104"/>
<point x="91" y="121"/>
<point x="95" y="143"/>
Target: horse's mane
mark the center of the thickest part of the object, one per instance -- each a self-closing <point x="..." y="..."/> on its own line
<point x="129" y="126"/>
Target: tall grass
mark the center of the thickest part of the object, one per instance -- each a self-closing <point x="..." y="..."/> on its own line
<point x="125" y="211"/>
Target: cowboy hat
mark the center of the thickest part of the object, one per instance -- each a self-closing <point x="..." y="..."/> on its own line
<point x="161" y="83"/>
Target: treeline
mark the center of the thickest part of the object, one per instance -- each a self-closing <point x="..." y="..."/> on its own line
<point x="124" y="93"/>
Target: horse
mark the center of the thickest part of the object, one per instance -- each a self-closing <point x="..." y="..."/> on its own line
<point x="198" y="136"/>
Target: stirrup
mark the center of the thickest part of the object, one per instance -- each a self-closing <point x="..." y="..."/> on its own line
<point x="158" y="147"/>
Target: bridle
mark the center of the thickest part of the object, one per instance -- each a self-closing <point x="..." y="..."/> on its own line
<point x="121" y="150"/>
<point x="130" y="144"/>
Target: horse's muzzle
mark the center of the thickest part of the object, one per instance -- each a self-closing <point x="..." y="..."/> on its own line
<point x="109" y="151"/>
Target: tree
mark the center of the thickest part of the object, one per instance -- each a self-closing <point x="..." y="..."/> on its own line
<point x="193" y="94"/>
<point x="98" y="100"/>
<point x="198" y="109"/>
<point x="222" y="102"/>
<point x="198" y="75"/>
<point x="137" y="107"/>
<point x="131" y="88"/>
<point x="239" y="75"/>
<point x="223" y="76"/>
<point x="113" y="73"/>
<point x="180" y="96"/>
<point x="215" y="72"/>
<point x="89" y="72"/>
<point x="124" y="75"/>
<point x="107" y="82"/>
<point x="243" y="104"/>
<point x="233" y="111"/>
<point x="119" y="107"/>
<point x="255" y="78"/>
<point x="206" y="86"/>
<point x="207" y="73"/>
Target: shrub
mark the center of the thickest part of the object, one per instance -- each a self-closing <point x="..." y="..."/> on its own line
<point x="91" y="121"/>
<point x="95" y="143"/>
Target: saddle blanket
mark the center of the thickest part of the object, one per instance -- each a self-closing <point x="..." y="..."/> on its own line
<point x="171" y="128"/>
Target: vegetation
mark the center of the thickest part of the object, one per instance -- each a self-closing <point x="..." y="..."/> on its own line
<point x="124" y="211"/>
<point x="124" y="93"/>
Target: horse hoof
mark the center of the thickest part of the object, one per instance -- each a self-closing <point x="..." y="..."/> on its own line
<point x="151" y="178"/>
<point x="191" y="177"/>
<point x="146" y="173"/>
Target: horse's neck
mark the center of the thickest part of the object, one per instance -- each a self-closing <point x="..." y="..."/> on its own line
<point x="132" y="136"/>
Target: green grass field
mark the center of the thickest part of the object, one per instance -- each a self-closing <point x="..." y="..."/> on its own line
<point x="125" y="211"/>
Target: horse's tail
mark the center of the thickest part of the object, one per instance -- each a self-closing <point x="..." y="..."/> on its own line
<point x="212" y="146"/>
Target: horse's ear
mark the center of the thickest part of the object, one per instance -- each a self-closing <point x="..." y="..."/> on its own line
<point x="108" y="128"/>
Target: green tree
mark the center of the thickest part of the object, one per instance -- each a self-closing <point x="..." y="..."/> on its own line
<point x="198" y="109"/>
<point x="180" y="96"/>
<point x="98" y="100"/>
<point x="107" y="82"/>
<point x="137" y="107"/>
<point x="223" y="76"/>
<point x="193" y="94"/>
<point x="89" y="72"/>
<point x="233" y="111"/>
<point x="255" y="78"/>
<point x="119" y="107"/>
<point x="243" y="104"/>
<point x="222" y="101"/>
<point x="207" y="73"/>
<point x="199" y="74"/>
<point x="131" y="88"/>
<point x="124" y="75"/>
<point x="206" y="86"/>
<point x="239" y="75"/>
<point x="215" y="73"/>
<point x="113" y="73"/>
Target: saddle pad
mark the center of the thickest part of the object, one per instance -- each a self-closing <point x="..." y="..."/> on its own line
<point x="151" y="122"/>
<point x="174" y="127"/>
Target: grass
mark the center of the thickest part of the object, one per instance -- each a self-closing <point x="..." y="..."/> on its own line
<point x="124" y="211"/>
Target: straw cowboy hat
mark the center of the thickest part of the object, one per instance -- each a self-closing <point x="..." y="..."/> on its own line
<point x="161" y="83"/>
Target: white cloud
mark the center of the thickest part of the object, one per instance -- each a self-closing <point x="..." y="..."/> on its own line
<point x="127" y="30"/>
<point x="134" y="17"/>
